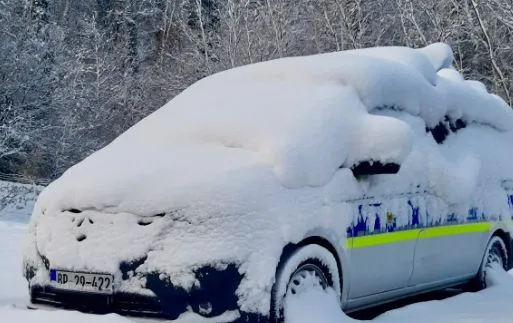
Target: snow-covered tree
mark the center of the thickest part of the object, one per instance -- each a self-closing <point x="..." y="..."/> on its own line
<point x="75" y="74"/>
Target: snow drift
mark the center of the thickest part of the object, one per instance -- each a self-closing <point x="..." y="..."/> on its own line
<point x="17" y="200"/>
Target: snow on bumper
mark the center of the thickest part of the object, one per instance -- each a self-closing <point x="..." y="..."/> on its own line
<point x="214" y="300"/>
<point x="151" y="259"/>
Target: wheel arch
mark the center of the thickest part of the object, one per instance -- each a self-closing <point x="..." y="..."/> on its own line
<point x="310" y="240"/>
<point x="325" y="243"/>
<point x="505" y="235"/>
<point x="336" y="251"/>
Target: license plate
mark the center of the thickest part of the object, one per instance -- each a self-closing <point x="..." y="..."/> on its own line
<point x="81" y="282"/>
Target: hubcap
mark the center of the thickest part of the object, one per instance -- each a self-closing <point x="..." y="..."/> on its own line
<point x="495" y="256"/>
<point x="305" y="278"/>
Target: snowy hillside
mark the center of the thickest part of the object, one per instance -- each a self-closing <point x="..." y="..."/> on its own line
<point x="17" y="200"/>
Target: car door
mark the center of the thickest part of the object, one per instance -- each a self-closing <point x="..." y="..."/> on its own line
<point x="449" y="247"/>
<point x="382" y="243"/>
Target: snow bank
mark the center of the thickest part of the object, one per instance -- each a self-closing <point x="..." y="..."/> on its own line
<point x="316" y="306"/>
<point x="14" y="315"/>
<point x="14" y="287"/>
<point x="17" y="200"/>
<point x="17" y="315"/>
<point x="489" y="305"/>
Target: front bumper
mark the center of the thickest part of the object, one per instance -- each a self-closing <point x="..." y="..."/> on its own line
<point x="124" y="304"/>
<point x="214" y="298"/>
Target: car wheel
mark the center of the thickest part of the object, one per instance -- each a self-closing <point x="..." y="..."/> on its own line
<point x="496" y="254"/>
<point x="300" y="270"/>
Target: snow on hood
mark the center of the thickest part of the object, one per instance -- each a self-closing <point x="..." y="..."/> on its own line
<point x="225" y="225"/>
<point x="302" y="117"/>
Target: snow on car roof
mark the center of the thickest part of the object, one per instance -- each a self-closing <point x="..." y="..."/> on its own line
<point x="302" y="116"/>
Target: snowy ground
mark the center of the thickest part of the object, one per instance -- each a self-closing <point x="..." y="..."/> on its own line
<point x="491" y="305"/>
<point x="13" y="290"/>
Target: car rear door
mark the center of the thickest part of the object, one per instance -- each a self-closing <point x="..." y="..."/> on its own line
<point x="449" y="248"/>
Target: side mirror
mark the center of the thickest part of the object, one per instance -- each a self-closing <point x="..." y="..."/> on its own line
<point x="370" y="167"/>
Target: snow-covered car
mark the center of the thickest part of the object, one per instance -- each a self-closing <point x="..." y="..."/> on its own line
<point x="379" y="173"/>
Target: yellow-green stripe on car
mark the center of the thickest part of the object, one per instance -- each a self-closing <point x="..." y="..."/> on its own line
<point x="422" y="233"/>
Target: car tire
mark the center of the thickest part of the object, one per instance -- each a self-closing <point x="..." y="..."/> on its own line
<point x="299" y="269"/>
<point x="496" y="252"/>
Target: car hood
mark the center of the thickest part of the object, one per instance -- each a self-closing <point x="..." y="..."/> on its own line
<point x="147" y="181"/>
<point x="154" y="218"/>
